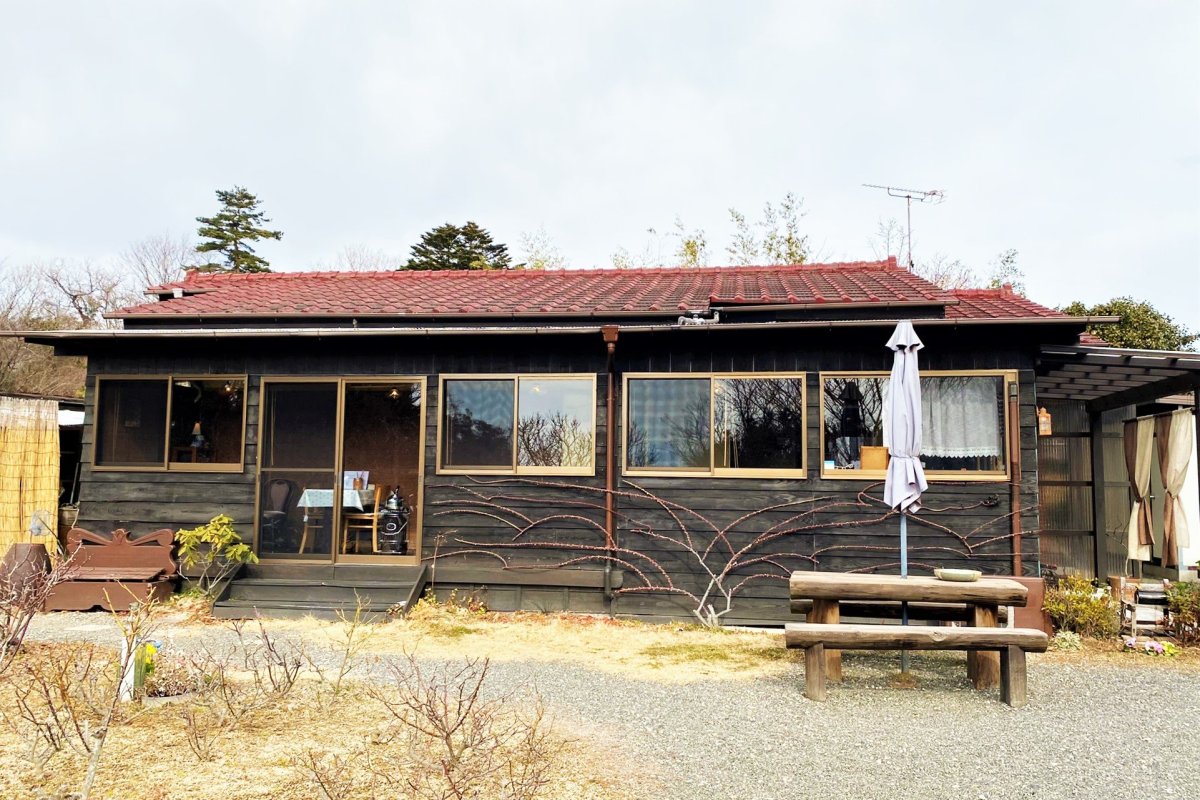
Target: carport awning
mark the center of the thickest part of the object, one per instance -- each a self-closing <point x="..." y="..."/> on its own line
<point x="1111" y="377"/>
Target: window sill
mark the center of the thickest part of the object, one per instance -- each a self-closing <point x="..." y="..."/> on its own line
<point x="932" y="477"/>
<point x="747" y="474"/>
<point x="548" y="472"/>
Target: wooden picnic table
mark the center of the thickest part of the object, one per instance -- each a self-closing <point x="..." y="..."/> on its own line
<point x="982" y="599"/>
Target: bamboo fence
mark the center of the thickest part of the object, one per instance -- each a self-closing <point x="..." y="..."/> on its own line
<point x="29" y="469"/>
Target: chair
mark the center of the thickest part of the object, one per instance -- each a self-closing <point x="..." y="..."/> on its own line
<point x="277" y="501"/>
<point x="313" y="520"/>
<point x="365" y="521"/>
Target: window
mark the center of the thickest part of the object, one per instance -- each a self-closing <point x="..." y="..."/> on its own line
<point x="170" y="423"/>
<point x="723" y="425"/>
<point x="518" y="424"/>
<point x="963" y="422"/>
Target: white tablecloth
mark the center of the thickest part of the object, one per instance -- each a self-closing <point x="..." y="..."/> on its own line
<point x="323" y="498"/>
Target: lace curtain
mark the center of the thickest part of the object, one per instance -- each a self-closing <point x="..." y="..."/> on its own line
<point x="960" y="417"/>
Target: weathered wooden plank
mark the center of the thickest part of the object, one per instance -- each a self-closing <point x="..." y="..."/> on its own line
<point x="915" y="637"/>
<point x="827" y="612"/>
<point x="841" y="586"/>
<point x="814" y="672"/>
<point x="1013" y="677"/>
<point x="984" y="668"/>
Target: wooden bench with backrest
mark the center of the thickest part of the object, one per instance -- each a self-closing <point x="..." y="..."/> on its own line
<point x="112" y="572"/>
<point x="1012" y="644"/>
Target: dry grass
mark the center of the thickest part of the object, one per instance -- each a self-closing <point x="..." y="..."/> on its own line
<point x="147" y="756"/>
<point x="676" y="653"/>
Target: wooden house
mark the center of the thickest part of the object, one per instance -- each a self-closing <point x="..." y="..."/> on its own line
<point x="650" y="441"/>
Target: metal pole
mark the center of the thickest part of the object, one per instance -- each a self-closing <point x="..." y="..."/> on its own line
<point x="903" y="574"/>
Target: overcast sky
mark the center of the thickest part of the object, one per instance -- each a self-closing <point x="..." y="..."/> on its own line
<point x="1069" y="131"/>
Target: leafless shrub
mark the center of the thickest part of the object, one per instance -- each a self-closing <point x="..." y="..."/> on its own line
<point x="335" y="776"/>
<point x="55" y="699"/>
<point x="69" y="701"/>
<point x="347" y="648"/>
<point x="20" y="600"/>
<point x="274" y="664"/>
<point x="444" y="740"/>
<point x="230" y="686"/>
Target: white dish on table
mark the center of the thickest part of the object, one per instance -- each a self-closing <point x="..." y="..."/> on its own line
<point x="961" y="575"/>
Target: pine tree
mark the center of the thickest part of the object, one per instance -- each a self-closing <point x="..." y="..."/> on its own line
<point x="458" y="247"/>
<point x="235" y="226"/>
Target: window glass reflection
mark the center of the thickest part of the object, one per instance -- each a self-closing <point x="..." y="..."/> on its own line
<point x="759" y="423"/>
<point x="555" y="426"/>
<point x="478" y="426"/>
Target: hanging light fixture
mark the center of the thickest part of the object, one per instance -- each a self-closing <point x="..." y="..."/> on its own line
<point x="394" y="393"/>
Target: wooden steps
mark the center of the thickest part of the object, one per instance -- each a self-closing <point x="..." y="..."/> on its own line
<point x="321" y="591"/>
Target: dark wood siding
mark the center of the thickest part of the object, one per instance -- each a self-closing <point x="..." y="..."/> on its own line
<point x="849" y="532"/>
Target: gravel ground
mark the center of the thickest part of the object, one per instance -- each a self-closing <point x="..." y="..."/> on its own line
<point x="1092" y="731"/>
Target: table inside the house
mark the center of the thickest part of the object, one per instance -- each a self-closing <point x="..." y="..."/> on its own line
<point x="323" y="498"/>
<point x="982" y="597"/>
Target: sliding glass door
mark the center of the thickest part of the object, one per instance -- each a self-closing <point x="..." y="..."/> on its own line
<point x="297" y="470"/>
<point x="340" y="469"/>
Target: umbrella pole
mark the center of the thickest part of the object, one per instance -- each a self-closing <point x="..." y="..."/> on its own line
<point x="904" y="574"/>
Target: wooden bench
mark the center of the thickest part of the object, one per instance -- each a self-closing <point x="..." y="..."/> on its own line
<point x="112" y="572"/>
<point x="1012" y="644"/>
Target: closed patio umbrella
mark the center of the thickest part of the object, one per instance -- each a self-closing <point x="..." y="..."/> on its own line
<point x="902" y="436"/>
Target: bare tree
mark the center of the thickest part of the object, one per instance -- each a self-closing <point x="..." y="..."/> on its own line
<point x="31" y="368"/>
<point x="87" y="290"/>
<point x="363" y="258"/>
<point x="159" y="259"/>
<point x="946" y="273"/>
<point x="538" y="251"/>
<point x="888" y="239"/>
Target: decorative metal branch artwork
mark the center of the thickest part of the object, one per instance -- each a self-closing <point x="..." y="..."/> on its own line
<point x="652" y="531"/>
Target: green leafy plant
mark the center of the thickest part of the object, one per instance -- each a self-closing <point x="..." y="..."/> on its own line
<point x="1076" y="605"/>
<point x="216" y="550"/>
<point x="1066" y="640"/>
<point x="1183" y="603"/>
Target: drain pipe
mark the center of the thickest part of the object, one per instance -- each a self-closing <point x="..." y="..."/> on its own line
<point x="1014" y="463"/>
<point x="609" y="332"/>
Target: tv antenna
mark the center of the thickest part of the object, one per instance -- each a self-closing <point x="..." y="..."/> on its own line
<point x="934" y="196"/>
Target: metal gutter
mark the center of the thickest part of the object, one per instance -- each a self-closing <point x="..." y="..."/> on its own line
<point x="49" y="337"/>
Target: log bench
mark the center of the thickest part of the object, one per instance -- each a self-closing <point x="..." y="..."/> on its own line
<point x="1012" y="644"/>
<point x="976" y="603"/>
<point x="112" y="572"/>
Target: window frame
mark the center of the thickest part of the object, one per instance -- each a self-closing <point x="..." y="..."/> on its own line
<point x="713" y="471"/>
<point x="167" y="464"/>
<point x="991" y="476"/>
<point x="516" y="468"/>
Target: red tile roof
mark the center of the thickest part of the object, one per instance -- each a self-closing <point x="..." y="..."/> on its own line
<point x="598" y="292"/>
<point x="1001" y="303"/>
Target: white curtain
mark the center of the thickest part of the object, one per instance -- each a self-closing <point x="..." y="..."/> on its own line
<point x="1141" y="450"/>
<point x="960" y="417"/>
<point x="1181" y="441"/>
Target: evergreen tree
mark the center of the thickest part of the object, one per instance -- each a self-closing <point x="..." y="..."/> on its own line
<point x="1141" y="325"/>
<point x="235" y="226"/>
<point x="458" y="247"/>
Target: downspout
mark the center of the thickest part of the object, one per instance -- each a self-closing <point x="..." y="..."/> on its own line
<point x="1014" y="460"/>
<point x="609" y="332"/>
